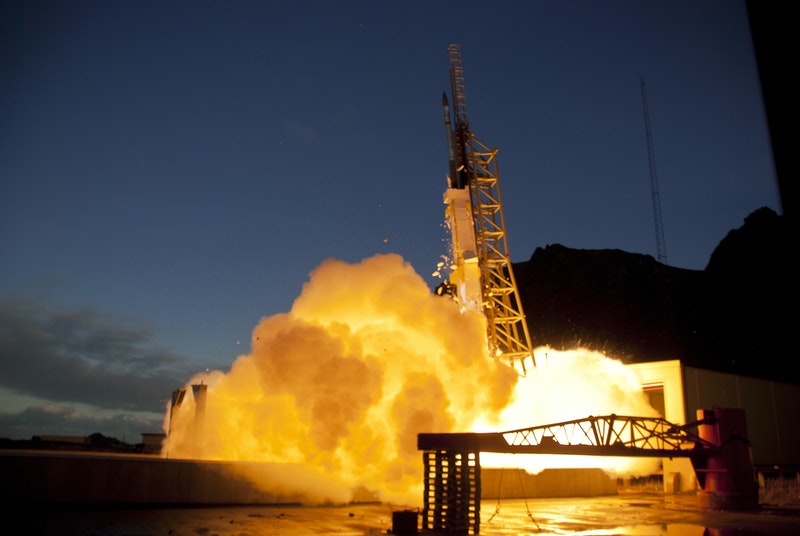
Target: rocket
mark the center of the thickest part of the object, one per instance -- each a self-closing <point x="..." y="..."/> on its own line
<point x="465" y="276"/>
<point x="448" y="127"/>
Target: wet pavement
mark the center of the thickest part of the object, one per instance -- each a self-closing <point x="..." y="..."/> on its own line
<point x="641" y="514"/>
<point x="644" y="514"/>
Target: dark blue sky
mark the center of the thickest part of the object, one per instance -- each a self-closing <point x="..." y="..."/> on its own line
<point x="170" y="172"/>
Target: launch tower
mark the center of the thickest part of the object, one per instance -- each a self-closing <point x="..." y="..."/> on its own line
<point x="481" y="276"/>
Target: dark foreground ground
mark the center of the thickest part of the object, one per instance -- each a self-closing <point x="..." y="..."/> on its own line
<point x="641" y="514"/>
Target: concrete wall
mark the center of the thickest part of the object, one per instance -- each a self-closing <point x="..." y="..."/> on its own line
<point x="678" y="473"/>
<point x="519" y="484"/>
<point x="63" y="478"/>
<point x="770" y="408"/>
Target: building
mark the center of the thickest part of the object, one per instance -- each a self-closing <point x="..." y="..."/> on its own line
<point x="678" y="391"/>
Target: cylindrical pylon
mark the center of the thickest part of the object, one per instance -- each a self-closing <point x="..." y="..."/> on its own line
<point x="726" y="476"/>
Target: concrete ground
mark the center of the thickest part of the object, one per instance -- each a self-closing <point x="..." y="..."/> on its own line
<point x="641" y="514"/>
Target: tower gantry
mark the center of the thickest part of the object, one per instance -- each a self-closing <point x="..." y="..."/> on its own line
<point x="481" y="275"/>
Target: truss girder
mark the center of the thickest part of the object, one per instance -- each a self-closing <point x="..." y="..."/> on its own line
<point x="473" y="165"/>
<point x="622" y="435"/>
<point x="610" y="435"/>
<point x="507" y="328"/>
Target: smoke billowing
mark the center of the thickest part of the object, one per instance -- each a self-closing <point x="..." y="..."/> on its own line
<point x="366" y="359"/>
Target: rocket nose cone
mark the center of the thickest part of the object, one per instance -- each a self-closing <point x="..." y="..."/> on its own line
<point x="444" y="99"/>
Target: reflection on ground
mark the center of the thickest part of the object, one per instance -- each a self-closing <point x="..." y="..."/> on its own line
<point x="635" y="514"/>
<point x="653" y="514"/>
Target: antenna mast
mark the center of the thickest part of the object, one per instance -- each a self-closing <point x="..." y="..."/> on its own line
<point x="651" y="157"/>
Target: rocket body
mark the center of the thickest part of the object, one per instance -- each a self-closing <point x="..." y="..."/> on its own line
<point x="465" y="274"/>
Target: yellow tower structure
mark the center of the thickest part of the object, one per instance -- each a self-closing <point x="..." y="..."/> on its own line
<point x="481" y="276"/>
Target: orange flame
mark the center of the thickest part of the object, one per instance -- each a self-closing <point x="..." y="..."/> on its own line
<point x="366" y="359"/>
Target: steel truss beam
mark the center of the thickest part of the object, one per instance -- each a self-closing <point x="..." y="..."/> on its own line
<point x="507" y="330"/>
<point x="610" y="435"/>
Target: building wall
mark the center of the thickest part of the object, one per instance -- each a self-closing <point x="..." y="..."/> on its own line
<point x="514" y="483"/>
<point x="59" y="478"/>
<point x="678" y="473"/>
<point x="770" y="410"/>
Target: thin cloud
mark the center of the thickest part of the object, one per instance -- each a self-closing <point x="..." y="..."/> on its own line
<point x="54" y="419"/>
<point x="85" y="356"/>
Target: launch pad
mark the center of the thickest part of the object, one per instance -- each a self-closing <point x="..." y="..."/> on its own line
<point x="719" y="452"/>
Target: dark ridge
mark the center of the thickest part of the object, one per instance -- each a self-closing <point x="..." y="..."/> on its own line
<point x="738" y="315"/>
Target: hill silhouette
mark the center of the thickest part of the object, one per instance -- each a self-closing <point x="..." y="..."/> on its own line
<point x="739" y="315"/>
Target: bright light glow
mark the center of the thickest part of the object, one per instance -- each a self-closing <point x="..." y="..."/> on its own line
<point x="366" y="359"/>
